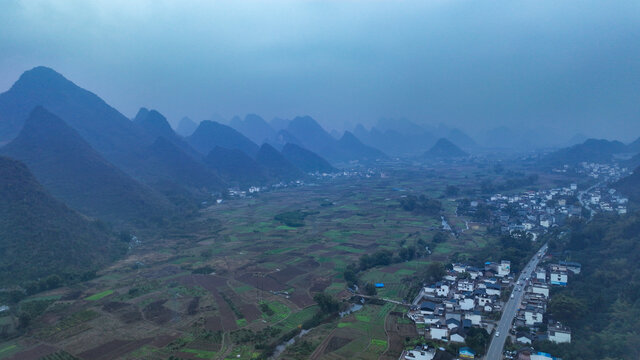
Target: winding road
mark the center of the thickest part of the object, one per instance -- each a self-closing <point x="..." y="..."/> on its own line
<point x="511" y="308"/>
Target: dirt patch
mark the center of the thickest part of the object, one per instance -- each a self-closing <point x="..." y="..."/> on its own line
<point x="73" y="295"/>
<point x="157" y="313"/>
<point x="113" y="306"/>
<point x="130" y="316"/>
<point x="35" y="353"/>
<point x="259" y="282"/>
<point x="309" y="264"/>
<point x="193" y="306"/>
<point x="213" y="323"/>
<point x="336" y="343"/>
<point x="163" y="340"/>
<point x="250" y="312"/>
<point x="164" y="272"/>
<point x="390" y="269"/>
<point x="286" y="274"/>
<point x="113" y="349"/>
<point x="301" y="299"/>
<point x="319" y="284"/>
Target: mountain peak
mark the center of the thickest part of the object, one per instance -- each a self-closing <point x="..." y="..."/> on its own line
<point x="42" y="76"/>
<point x="444" y="148"/>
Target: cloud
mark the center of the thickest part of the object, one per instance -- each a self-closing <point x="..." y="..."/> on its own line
<point x="565" y="65"/>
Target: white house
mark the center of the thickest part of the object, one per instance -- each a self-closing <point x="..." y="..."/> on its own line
<point x="524" y="339"/>
<point x="559" y="334"/>
<point x="541" y="274"/>
<point x="558" y="277"/>
<point x="504" y="268"/>
<point x="539" y="288"/>
<point x="475" y="317"/>
<point x="418" y="354"/>
<point x="442" y="289"/>
<point x="439" y="333"/>
<point x="533" y="316"/>
<point x="464" y="285"/>
<point x="466" y="304"/>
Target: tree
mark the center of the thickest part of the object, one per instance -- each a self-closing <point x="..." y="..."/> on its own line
<point x="440" y="237"/>
<point x="326" y="303"/>
<point x="452" y="190"/>
<point x="370" y="289"/>
<point x="477" y="339"/>
<point x="434" y="272"/>
<point x="566" y="308"/>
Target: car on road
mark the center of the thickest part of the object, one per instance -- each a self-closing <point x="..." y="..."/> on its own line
<point x="512" y="296"/>
<point x="497" y="333"/>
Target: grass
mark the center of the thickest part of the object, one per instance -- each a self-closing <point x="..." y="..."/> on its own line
<point x="241" y="322"/>
<point x="280" y="312"/>
<point x="100" y="295"/>
<point x="296" y="319"/>
<point x="201" y="354"/>
<point x="8" y="350"/>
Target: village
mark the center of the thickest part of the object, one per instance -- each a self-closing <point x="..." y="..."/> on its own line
<point x="471" y="297"/>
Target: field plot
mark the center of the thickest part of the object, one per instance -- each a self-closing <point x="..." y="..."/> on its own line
<point x="238" y="275"/>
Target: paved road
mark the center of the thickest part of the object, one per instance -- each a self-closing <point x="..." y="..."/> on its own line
<point x="586" y="203"/>
<point x="511" y="308"/>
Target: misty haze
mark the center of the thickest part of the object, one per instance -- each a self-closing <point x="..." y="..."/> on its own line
<point x="416" y="180"/>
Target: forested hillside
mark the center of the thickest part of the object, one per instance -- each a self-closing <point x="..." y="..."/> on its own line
<point x="40" y="237"/>
<point x="602" y="304"/>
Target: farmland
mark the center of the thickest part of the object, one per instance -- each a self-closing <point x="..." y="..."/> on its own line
<point x="243" y="274"/>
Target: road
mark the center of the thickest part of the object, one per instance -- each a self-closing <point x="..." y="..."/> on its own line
<point x="511" y="308"/>
<point x="585" y="204"/>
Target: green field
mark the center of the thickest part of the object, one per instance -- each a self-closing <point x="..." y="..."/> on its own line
<point x="100" y="295"/>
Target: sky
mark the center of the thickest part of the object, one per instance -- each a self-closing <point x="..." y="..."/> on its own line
<point x="565" y="67"/>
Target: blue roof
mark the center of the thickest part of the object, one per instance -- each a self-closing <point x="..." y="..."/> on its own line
<point x="467" y="350"/>
<point x="379" y="285"/>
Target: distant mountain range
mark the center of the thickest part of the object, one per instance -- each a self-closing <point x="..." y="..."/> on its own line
<point x="186" y="127"/>
<point x="210" y="134"/>
<point x="102" y="164"/>
<point x="40" y="236"/>
<point x="313" y="137"/>
<point x="306" y="160"/>
<point x="444" y="149"/>
<point x="592" y="150"/>
<point x="254" y="127"/>
<point x="404" y="138"/>
<point x="75" y="173"/>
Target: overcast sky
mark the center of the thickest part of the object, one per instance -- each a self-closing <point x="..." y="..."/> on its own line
<point x="571" y="66"/>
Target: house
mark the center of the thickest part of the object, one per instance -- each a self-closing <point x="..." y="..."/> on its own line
<point x="559" y="334"/>
<point x="475" y="317"/>
<point x="474" y="272"/>
<point x="430" y="319"/>
<point x="524" y="338"/>
<point x="453" y="323"/>
<point x="459" y="268"/>
<point x="458" y="335"/>
<point x="541" y="274"/>
<point x="533" y="316"/>
<point x="427" y="308"/>
<point x="541" y="356"/>
<point x="558" y="277"/>
<point x="464" y="285"/>
<point x="504" y="268"/>
<point x="466" y="353"/>
<point x="466" y="304"/>
<point x="539" y="288"/>
<point x="418" y="354"/>
<point x="574" y="267"/>
<point x="442" y="289"/>
<point x="439" y="333"/>
<point x="493" y="289"/>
